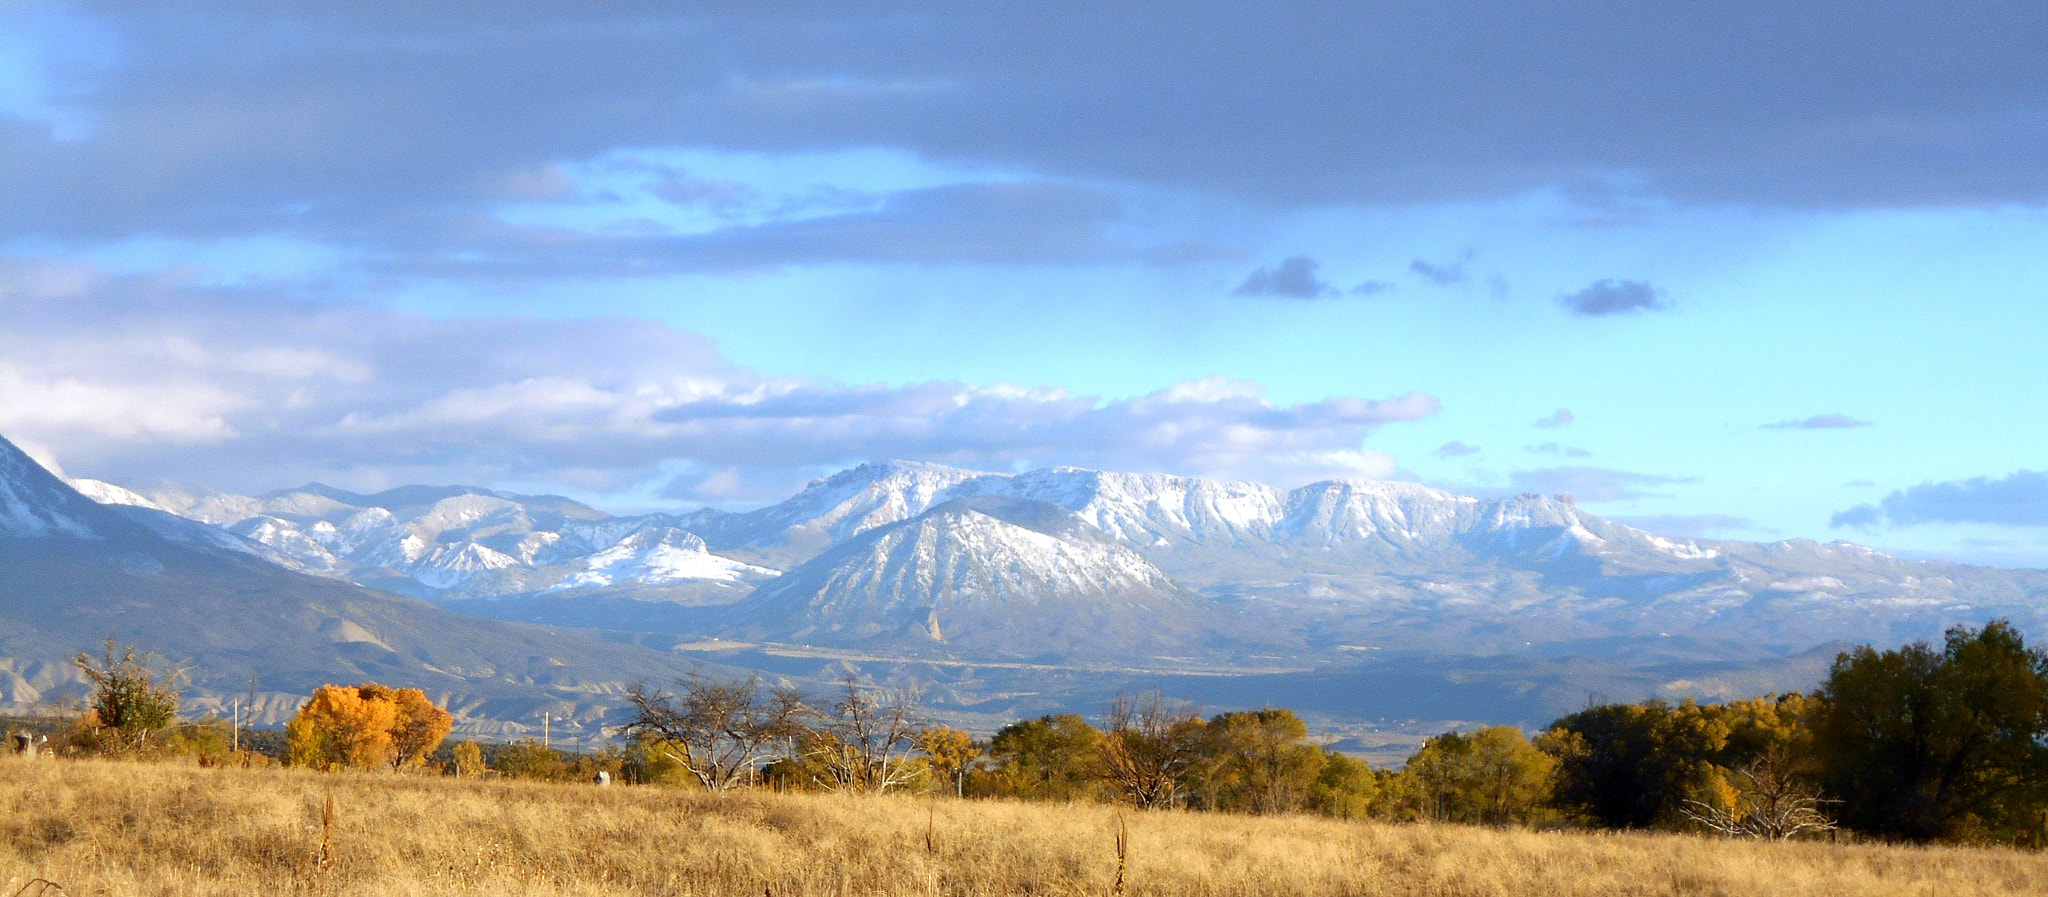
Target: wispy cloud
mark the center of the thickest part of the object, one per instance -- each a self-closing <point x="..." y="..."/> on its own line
<point x="1555" y="419"/>
<point x="1455" y="449"/>
<point x="1593" y="484"/>
<point x="1819" y="422"/>
<point x="1690" y="526"/>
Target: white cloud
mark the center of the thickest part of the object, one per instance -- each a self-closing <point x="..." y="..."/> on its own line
<point x="136" y="411"/>
<point x="139" y="379"/>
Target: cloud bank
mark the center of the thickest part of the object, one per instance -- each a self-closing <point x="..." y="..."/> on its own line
<point x="2017" y="499"/>
<point x="402" y="129"/>
<point x="139" y="378"/>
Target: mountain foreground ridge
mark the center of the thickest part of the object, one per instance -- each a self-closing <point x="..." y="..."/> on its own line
<point x="75" y="572"/>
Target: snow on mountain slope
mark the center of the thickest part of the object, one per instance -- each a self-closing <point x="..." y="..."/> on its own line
<point x="74" y="572"/>
<point x="109" y="494"/>
<point x="457" y="542"/>
<point x="831" y="509"/>
<point x="1013" y="560"/>
<point x="1385" y="515"/>
<point x="997" y="573"/>
<point x="1155" y="509"/>
<point x="34" y="503"/>
<point x="655" y="555"/>
<point x="1196" y="526"/>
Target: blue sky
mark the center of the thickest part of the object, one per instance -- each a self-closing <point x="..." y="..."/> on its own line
<point x="1780" y="270"/>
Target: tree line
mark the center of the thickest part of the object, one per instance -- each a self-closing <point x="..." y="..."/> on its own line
<point x="1928" y="742"/>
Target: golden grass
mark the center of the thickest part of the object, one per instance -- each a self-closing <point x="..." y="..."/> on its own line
<point x="133" y="829"/>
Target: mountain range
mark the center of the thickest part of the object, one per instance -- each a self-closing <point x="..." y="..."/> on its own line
<point x="1065" y="564"/>
<point x="242" y="626"/>
<point x="1372" y="606"/>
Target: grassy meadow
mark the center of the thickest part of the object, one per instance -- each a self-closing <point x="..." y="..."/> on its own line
<point x="123" y="828"/>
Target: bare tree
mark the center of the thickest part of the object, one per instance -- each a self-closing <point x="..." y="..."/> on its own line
<point x="1148" y="746"/>
<point x="865" y="740"/>
<point x="1772" y="802"/>
<point x="717" y="729"/>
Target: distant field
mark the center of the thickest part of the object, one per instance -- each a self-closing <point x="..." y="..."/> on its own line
<point x="133" y="829"/>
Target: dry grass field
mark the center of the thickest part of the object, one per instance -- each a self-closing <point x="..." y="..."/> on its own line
<point x="133" y="829"/>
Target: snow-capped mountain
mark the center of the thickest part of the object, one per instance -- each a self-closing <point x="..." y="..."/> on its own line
<point x="1360" y="562"/>
<point x="988" y="570"/>
<point x="832" y="509"/>
<point x="1189" y="522"/>
<point x="74" y="572"/>
<point x="458" y="542"/>
<point x="1016" y="563"/>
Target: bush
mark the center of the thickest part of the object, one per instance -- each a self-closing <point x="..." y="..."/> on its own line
<point x="129" y="700"/>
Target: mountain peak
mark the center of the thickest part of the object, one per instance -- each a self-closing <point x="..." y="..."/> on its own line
<point x="34" y="503"/>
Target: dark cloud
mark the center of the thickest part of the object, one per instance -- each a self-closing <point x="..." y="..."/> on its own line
<point x="1690" y="526"/>
<point x="1445" y="273"/>
<point x="1594" y="484"/>
<point x="2017" y="499"/>
<point x="1293" y="278"/>
<point x="217" y="119"/>
<point x="398" y="128"/>
<point x="137" y="379"/>
<point x="1819" y="422"/>
<point x="1614" y="297"/>
<point x="1456" y="449"/>
<point x="1558" y="418"/>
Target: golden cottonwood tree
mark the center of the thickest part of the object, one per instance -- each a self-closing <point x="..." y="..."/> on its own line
<point x="950" y="752"/>
<point x="418" y="726"/>
<point x="469" y="760"/>
<point x="366" y="726"/>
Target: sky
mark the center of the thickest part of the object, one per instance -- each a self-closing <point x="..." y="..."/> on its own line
<point x="1737" y="270"/>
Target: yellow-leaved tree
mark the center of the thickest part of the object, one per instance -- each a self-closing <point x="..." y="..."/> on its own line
<point x="366" y="726"/>
<point x="469" y="760"/>
<point x="418" y="727"/>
